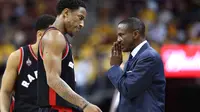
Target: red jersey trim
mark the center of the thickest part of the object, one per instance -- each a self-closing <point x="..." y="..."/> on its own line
<point x="66" y="52"/>
<point x="32" y="52"/>
<point x="52" y="97"/>
<point x="21" y="59"/>
<point x="12" y="106"/>
<point x="40" y="49"/>
<point x="62" y="109"/>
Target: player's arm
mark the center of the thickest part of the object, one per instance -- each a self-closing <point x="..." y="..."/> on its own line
<point x="54" y="44"/>
<point x="8" y="80"/>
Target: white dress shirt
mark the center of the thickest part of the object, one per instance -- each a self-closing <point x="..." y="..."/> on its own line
<point x="135" y="51"/>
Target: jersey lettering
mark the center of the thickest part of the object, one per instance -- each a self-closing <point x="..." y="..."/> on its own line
<point x="36" y="74"/>
<point x="25" y="84"/>
<point x="30" y="79"/>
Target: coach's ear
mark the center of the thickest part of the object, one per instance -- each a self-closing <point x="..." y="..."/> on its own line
<point x="39" y="34"/>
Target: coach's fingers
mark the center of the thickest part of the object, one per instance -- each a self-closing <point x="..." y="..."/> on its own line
<point x="115" y="49"/>
<point x="119" y="48"/>
<point x="112" y="51"/>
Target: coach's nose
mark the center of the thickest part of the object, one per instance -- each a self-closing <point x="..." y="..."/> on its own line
<point x="81" y="24"/>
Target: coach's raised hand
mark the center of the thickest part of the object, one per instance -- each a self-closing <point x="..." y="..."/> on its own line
<point x="116" y="54"/>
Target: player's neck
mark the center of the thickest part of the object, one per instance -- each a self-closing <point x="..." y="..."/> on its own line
<point x="35" y="48"/>
<point x="59" y="25"/>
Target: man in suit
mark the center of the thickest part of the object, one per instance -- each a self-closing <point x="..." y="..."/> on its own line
<point x="142" y="82"/>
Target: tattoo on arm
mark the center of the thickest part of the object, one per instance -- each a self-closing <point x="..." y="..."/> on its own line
<point x="68" y="94"/>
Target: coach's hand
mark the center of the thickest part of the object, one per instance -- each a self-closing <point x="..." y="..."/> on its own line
<point x="91" y="108"/>
<point x="116" y="54"/>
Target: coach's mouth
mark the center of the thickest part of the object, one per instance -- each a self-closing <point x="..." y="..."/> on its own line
<point x="79" y="28"/>
<point x="122" y="47"/>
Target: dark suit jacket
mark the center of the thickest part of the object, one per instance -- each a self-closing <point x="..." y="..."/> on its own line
<point x="142" y="84"/>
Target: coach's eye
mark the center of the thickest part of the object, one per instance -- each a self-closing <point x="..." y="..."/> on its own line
<point x="81" y="17"/>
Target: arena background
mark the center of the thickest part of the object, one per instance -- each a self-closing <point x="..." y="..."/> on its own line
<point x="172" y="28"/>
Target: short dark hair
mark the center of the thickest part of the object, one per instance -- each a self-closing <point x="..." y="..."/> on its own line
<point x="44" y="21"/>
<point x="71" y="4"/>
<point x="134" y="24"/>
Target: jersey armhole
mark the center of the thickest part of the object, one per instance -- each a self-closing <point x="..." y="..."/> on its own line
<point x="40" y="49"/>
<point x="66" y="48"/>
<point x="40" y="43"/>
<point x="21" y="60"/>
<point x="66" y="51"/>
<point x="64" y="55"/>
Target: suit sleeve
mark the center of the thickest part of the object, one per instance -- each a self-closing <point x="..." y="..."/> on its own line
<point x="132" y="83"/>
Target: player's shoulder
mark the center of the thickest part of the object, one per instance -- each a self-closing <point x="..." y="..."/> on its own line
<point x="54" y="37"/>
<point x="15" y="56"/>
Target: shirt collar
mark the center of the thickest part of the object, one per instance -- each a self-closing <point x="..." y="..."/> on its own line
<point x="135" y="51"/>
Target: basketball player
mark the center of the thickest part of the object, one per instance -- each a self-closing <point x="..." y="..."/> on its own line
<point x="56" y="81"/>
<point x="21" y="73"/>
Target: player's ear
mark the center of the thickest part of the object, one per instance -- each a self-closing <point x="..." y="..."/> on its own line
<point x="40" y="34"/>
<point x="65" y="12"/>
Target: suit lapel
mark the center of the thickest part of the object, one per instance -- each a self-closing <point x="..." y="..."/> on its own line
<point x="131" y="62"/>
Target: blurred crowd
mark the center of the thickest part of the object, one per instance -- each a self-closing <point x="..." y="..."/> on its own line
<point x="167" y="21"/>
